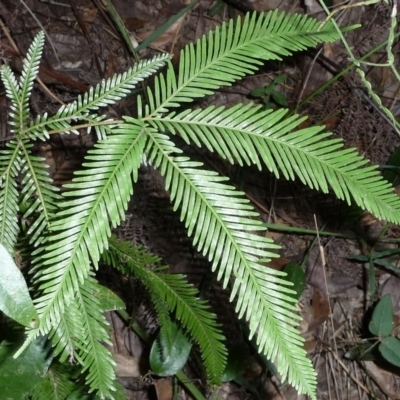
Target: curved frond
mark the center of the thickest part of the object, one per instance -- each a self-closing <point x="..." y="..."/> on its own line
<point x="14" y="94"/>
<point x="29" y="72"/>
<point x="245" y="134"/>
<point x="64" y="335"/>
<point x="57" y="384"/>
<point x="93" y="356"/>
<point x="10" y="163"/>
<point x="232" y="51"/>
<point x="172" y="293"/>
<point x="107" y="92"/>
<point x="19" y="93"/>
<point x="80" y="231"/>
<point x="80" y="336"/>
<point x="220" y="221"/>
<point x="38" y="194"/>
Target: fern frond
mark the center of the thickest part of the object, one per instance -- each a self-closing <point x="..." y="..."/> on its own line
<point x="232" y="51"/>
<point x="57" y="384"/>
<point x="79" y="336"/>
<point x="107" y="92"/>
<point x="248" y="135"/>
<point x="93" y="356"/>
<point x="172" y="293"/>
<point x="38" y="192"/>
<point x="64" y="336"/>
<point x="10" y="164"/>
<point x="19" y="93"/>
<point x="29" y="72"/>
<point x="13" y="93"/>
<point x="81" y="229"/>
<point x="219" y="219"/>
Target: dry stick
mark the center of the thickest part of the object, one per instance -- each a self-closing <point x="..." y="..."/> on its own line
<point x="15" y="47"/>
<point x="44" y="30"/>
<point x="323" y="262"/>
<point x="352" y="377"/>
<point x="335" y="351"/>
<point x="306" y="79"/>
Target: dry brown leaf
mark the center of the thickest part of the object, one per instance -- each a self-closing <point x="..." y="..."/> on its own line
<point x="164" y="389"/>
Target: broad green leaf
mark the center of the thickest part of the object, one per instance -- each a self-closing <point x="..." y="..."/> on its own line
<point x="108" y="300"/>
<point x="19" y="376"/>
<point x="390" y="350"/>
<point x="381" y="323"/>
<point x="169" y="354"/>
<point x="15" y="300"/>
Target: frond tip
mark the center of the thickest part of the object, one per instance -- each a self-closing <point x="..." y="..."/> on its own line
<point x="232" y="51"/>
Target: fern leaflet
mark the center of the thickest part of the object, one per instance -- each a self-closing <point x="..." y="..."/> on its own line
<point x="245" y="134"/>
<point x="172" y="293"/>
<point x="229" y="53"/>
<point x="219" y="220"/>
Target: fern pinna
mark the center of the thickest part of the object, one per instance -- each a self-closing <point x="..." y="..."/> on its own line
<point x="72" y="231"/>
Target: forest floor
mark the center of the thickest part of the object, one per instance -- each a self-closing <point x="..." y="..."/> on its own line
<point x="83" y="46"/>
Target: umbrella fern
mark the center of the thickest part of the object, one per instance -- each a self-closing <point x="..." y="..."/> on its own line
<point x="72" y="231"/>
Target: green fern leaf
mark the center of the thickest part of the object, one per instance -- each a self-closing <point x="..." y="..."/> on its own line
<point x="245" y="134"/>
<point x="219" y="219"/>
<point x="57" y="384"/>
<point x="93" y="356"/>
<point x="106" y="93"/>
<point x="13" y="93"/>
<point x="10" y="162"/>
<point x="81" y="229"/>
<point x="29" y="72"/>
<point x="64" y="336"/>
<point x="172" y="293"/>
<point x="19" y="93"/>
<point x="80" y="336"/>
<point x="232" y="51"/>
<point x="39" y="192"/>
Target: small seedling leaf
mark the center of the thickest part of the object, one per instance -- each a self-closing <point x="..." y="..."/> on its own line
<point x="270" y="88"/>
<point x="15" y="300"/>
<point x="280" y="79"/>
<point x="279" y="98"/>
<point x="390" y="350"/>
<point x="258" y="92"/>
<point x="381" y="323"/>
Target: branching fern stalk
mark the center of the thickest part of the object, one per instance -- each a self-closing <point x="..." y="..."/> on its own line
<point x="72" y="231"/>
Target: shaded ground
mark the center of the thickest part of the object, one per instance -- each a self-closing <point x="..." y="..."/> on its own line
<point x="83" y="46"/>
